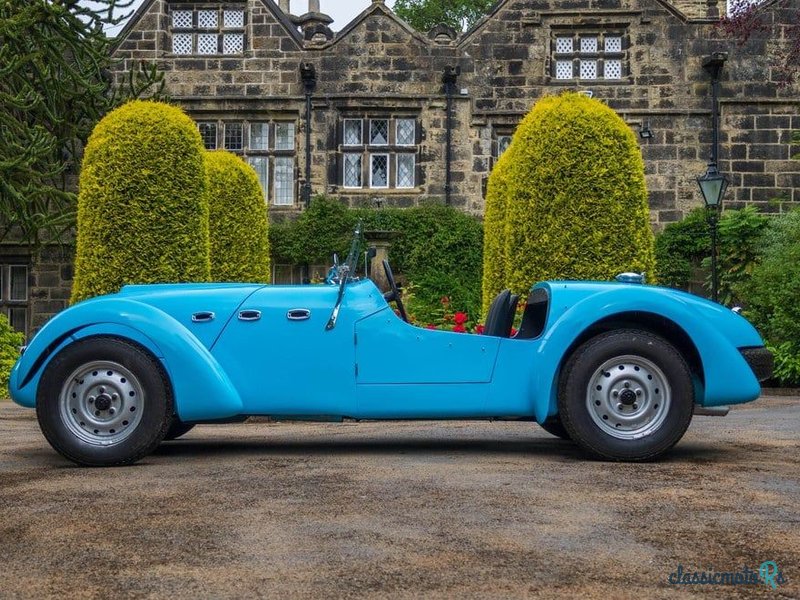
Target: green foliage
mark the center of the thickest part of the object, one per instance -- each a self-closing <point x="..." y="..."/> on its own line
<point x="773" y="289"/>
<point x="680" y="247"/>
<point x="576" y="202"/>
<point x="787" y="363"/>
<point x="238" y="223"/>
<point x="424" y="15"/>
<point x="437" y="248"/>
<point x="54" y="86"/>
<point x="142" y="208"/>
<point x="494" y="246"/>
<point x="10" y="342"/>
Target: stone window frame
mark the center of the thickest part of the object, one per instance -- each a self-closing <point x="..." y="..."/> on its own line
<point x="18" y="305"/>
<point x="366" y="150"/>
<point x="220" y="31"/>
<point x="270" y="184"/>
<point x="600" y="57"/>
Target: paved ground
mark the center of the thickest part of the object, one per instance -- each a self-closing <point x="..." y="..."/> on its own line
<point x="401" y="510"/>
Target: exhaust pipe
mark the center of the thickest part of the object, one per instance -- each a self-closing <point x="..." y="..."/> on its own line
<point x="711" y="411"/>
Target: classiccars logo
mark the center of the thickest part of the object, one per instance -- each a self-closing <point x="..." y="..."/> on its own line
<point x="767" y="574"/>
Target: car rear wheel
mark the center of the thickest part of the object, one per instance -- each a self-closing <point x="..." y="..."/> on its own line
<point x="104" y="401"/>
<point x="178" y="429"/>
<point x="626" y="395"/>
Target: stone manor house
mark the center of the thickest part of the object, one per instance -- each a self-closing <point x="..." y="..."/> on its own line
<point x="376" y="113"/>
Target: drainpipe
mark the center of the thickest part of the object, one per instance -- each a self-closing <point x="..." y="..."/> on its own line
<point x="309" y="76"/>
<point x="449" y="79"/>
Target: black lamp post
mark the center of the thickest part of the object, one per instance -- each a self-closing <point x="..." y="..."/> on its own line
<point x="308" y="74"/>
<point x="713" y="184"/>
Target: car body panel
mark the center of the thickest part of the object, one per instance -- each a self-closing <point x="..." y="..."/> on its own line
<point x="372" y="365"/>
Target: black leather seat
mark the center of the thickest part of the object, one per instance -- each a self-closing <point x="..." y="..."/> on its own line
<point x="500" y="317"/>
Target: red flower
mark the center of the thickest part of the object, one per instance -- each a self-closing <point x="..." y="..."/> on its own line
<point x="461" y="318"/>
<point x="479" y="329"/>
<point x="460" y="328"/>
<point x="431" y="326"/>
<point x="513" y="332"/>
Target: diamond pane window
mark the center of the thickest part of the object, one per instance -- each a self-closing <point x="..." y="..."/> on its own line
<point x="613" y="44"/>
<point x="284" y="136"/>
<point x="233" y="19"/>
<point x="563" y="45"/>
<point x="18" y="288"/>
<point x="406" y="132"/>
<point x="379" y="171"/>
<point x="181" y="43"/>
<point x="207" y="43"/>
<point x="352" y="132"/>
<point x="405" y="170"/>
<point x="260" y="165"/>
<point x="379" y="132"/>
<point x="613" y="69"/>
<point x="233" y="43"/>
<point x="181" y="19"/>
<point x="259" y="136"/>
<point x="284" y="181"/>
<point x="588" y="69"/>
<point x="208" y="131"/>
<point x="564" y="69"/>
<point x="233" y="136"/>
<point x="589" y="44"/>
<point x="352" y="171"/>
<point x="503" y="142"/>
<point x="207" y="19"/>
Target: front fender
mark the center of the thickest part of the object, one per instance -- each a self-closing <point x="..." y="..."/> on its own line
<point x="201" y="388"/>
<point x="716" y="332"/>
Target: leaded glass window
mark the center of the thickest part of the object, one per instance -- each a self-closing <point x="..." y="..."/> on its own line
<point x="181" y="43"/>
<point x="406" y="132"/>
<point x="208" y="131"/>
<point x="207" y="43"/>
<point x="233" y="19"/>
<point x="379" y="171"/>
<point x="259" y="136"/>
<point x="284" y="136"/>
<point x="405" y="170"/>
<point x="260" y="165"/>
<point x="182" y="19"/>
<point x="212" y="30"/>
<point x="589" y="56"/>
<point x="233" y="136"/>
<point x="588" y="69"/>
<point x="353" y="132"/>
<point x="284" y="181"/>
<point x="352" y="171"/>
<point x="379" y="132"/>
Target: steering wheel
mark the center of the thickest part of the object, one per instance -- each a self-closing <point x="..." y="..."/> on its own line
<point x="394" y="294"/>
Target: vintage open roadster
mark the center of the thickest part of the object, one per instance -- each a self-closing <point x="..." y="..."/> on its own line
<point x="619" y="368"/>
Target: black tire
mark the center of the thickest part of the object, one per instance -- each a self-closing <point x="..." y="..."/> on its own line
<point x="125" y="379"/>
<point x="177" y="429"/>
<point x="592" y="398"/>
<point x="555" y="427"/>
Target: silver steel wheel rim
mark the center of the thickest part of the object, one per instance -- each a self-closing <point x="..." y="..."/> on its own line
<point x="628" y="397"/>
<point x="101" y="403"/>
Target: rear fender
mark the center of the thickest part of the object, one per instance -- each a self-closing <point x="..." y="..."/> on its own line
<point x="202" y="390"/>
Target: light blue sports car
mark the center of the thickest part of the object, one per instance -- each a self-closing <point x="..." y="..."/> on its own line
<point x="619" y="368"/>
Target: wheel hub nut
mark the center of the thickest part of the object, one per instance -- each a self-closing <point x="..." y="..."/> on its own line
<point x="103" y="402"/>
<point x="627" y="397"/>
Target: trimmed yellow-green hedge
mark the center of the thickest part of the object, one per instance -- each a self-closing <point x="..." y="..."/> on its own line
<point x="575" y="198"/>
<point x="238" y="223"/>
<point x="494" y="246"/>
<point x="10" y="342"/>
<point x="142" y="204"/>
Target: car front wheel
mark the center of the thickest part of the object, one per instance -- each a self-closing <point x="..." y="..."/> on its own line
<point x="104" y="401"/>
<point x="626" y="395"/>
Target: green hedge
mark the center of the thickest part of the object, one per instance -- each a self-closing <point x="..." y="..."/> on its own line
<point x="575" y="196"/>
<point x="238" y="222"/>
<point x="10" y="342"/>
<point x="142" y="204"/>
<point x="494" y="220"/>
<point x="438" y="249"/>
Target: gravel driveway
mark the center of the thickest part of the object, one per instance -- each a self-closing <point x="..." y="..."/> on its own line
<point x="423" y="509"/>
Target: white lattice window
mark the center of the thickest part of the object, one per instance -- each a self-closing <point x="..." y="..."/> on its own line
<point x="564" y="45"/>
<point x="406" y="164"/>
<point x="207" y="19"/>
<point x="353" y="132"/>
<point x="284" y="181"/>
<point x="232" y="43"/>
<point x="259" y="136"/>
<point x="352" y="171"/>
<point x="284" y="136"/>
<point x="233" y="19"/>
<point x="588" y="69"/>
<point x="379" y="171"/>
<point x="613" y="43"/>
<point x="588" y="45"/>
<point x="406" y="132"/>
<point x="207" y="43"/>
<point x="182" y="19"/>
<point x="208" y="131"/>
<point x="181" y="43"/>
<point x="564" y="69"/>
<point x="379" y="132"/>
<point x="260" y="165"/>
<point x="612" y="69"/>
<point x="14" y="295"/>
<point x="233" y="136"/>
